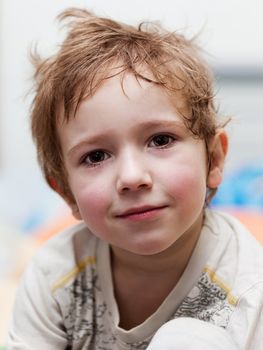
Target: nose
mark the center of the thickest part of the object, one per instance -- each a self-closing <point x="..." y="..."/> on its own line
<point x="133" y="174"/>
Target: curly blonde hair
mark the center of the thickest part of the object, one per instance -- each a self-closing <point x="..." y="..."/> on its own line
<point x="85" y="59"/>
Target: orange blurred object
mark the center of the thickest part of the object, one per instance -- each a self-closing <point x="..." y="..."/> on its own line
<point x="252" y="220"/>
<point x="54" y="227"/>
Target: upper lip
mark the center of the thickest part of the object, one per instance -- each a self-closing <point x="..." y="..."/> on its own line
<point x="141" y="209"/>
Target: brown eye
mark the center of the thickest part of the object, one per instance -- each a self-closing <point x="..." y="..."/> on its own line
<point x="95" y="157"/>
<point x="161" y="140"/>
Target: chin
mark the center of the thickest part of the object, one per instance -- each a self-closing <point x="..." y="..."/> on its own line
<point x="153" y="248"/>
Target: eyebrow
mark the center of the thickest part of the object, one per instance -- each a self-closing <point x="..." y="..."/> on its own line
<point x="156" y="123"/>
<point x="148" y="125"/>
<point x="91" y="140"/>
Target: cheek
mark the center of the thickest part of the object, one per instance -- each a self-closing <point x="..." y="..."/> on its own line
<point x="186" y="184"/>
<point x="93" y="201"/>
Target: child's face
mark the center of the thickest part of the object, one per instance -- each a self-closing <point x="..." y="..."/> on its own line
<point x="137" y="175"/>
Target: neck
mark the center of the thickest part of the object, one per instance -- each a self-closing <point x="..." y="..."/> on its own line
<point x="146" y="280"/>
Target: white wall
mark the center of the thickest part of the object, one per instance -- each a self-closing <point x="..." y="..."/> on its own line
<point x="232" y="34"/>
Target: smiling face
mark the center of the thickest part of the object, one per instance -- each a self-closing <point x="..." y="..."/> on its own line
<point x="137" y="174"/>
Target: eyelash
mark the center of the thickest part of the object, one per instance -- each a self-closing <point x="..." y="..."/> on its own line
<point x="170" y="140"/>
<point x="90" y="164"/>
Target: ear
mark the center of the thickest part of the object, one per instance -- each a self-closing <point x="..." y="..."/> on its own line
<point x="217" y="150"/>
<point x="69" y="199"/>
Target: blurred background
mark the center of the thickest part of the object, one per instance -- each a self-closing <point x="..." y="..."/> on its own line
<point x="231" y="33"/>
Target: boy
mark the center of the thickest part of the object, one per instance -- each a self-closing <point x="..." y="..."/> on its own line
<point x="127" y="133"/>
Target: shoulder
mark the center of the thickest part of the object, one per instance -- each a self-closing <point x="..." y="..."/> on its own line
<point x="231" y="230"/>
<point x="232" y="281"/>
<point x="241" y="241"/>
<point x="43" y="297"/>
<point x="68" y="251"/>
<point x="238" y="253"/>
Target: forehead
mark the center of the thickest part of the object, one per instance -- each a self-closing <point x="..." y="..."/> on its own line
<point x="118" y="84"/>
<point x="123" y="102"/>
<point x="131" y="89"/>
<point x="124" y="107"/>
<point x="169" y="79"/>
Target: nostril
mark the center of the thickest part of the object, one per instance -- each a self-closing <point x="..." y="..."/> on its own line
<point x="143" y="186"/>
<point x="133" y="183"/>
<point x="134" y="188"/>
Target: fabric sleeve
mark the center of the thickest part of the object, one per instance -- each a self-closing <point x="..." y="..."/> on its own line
<point x="36" y="319"/>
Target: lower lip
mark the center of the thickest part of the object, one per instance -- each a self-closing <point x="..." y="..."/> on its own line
<point x="145" y="215"/>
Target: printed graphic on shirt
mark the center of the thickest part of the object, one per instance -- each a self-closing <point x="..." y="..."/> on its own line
<point x="88" y="321"/>
<point x="209" y="300"/>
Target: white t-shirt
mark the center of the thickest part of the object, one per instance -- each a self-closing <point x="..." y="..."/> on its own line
<point x="66" y="298"/>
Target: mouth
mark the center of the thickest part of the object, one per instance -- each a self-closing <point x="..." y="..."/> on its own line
<point x="141" y="213"/>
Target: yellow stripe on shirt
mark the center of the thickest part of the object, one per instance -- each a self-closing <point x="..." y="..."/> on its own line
<point x="89" y="260"/>
<point x="215" y="279"/>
